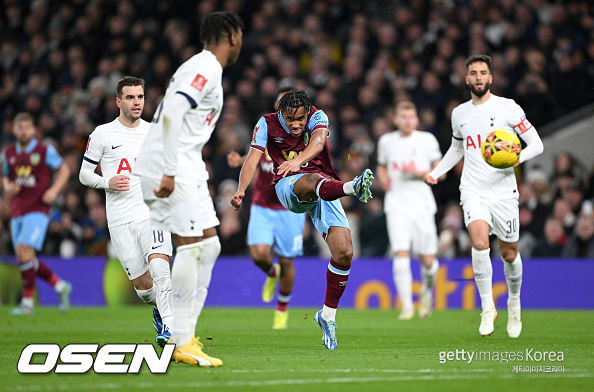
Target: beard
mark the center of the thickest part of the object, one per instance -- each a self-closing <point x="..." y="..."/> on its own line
<point x="480" y="93"/>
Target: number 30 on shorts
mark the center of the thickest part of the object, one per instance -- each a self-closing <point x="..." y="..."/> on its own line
<point x="512" y="225"/>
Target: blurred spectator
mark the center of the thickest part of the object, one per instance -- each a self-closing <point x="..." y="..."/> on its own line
<point x="581" y="243"/>
<point x="61" y="61"/>
<point x="453" y="240"/>
<point x="554" y="240"/>
<point x="372" y="231"/>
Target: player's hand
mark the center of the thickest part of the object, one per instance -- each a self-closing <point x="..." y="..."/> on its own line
<point x="119" y="183"/>
<point x="237" y="199"/>
<point x="234" y="159"/>
<point x="386" y="185"/>
<point x="166" y="187"/>
<point x="49" y="196"/>
<point x="288" y="167"/>
<point x="429" y="180"/>
<point x="517" y="163"/>
<point x="12" y="189"/>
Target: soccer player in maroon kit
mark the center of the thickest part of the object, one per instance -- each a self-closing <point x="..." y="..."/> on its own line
<point x="273" y="228"/>
<point x="295" y="138"/>
<point x="27" y="174"/>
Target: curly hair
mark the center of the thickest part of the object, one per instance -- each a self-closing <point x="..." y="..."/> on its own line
<point x="217" y="25"/>
<point x="295" y="99"/>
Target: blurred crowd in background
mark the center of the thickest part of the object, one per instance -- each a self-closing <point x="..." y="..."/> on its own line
<point x="61" y="61"/>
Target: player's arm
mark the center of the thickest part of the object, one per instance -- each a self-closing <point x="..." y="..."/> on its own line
<point x="533" y="148"/>
<point x="90" y="178"/>
<point x="383" y="177"/>
<point x="454" y="154"/>
<point x="11" y="188"/>
<point x="517" y="119"/>
<point x="245" y="177"/>
<point x="62" y="176"/>
<point x="55" y="162"/>
<point x="313" y="149"/>
<point x="172" y="112"/>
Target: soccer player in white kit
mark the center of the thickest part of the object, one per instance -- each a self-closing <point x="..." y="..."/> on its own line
<point x="404" y="157"/>
<point x="489" y="196"/>
<point x="174" y="177"/>
<point x="144" y="253"/>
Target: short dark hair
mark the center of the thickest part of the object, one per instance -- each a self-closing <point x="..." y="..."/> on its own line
<point x="128" y="81"/>
<point x="295" y="99"/>
<point x="216" y="25"/>
<point x="479" y="58"/>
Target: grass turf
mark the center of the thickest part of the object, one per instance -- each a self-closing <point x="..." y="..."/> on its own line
<point x="376" y="352"/>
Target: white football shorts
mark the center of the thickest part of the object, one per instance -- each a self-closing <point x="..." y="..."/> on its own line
<point x="502" y="216"/>
<point x="187" y="212"/>
<point x="134" y="242"/>
<point x="412" y="231"/>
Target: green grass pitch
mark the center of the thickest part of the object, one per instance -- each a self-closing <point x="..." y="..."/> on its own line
<point x="376" y="352"/>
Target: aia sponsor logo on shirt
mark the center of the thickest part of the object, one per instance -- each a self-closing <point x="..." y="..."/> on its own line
<point x="199" y="82"/>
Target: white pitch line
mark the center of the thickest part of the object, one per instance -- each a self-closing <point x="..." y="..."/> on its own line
<point x="247" y="383"/>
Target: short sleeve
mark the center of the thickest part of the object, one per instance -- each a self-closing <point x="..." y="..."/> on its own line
<point x="318" y="120"/>
<point x="433" y="148"/>
<point x="516" y="118"/>
<point x="94" y="150"/>
<point x="195" y="85"/>
<point x="5" y="170"/>
<point x="382" y="158"/>
<point x="52" y="158"/>
<point x="260" y="136"/>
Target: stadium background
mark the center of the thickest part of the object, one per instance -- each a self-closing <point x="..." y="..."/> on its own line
<point x="61" y="60"/>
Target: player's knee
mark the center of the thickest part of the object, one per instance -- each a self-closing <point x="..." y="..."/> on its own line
<point x="24" y="254"/>
<point x="343" y="255"/>
<point x="509" y="255"/>
<point x="259" y="254"/>
<point x="481" y="244"/>
<point x="285" y="263"/>
<point x="305" y="187"/>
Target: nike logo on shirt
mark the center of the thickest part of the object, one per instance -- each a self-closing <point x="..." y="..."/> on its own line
<point x="114" y="147"/>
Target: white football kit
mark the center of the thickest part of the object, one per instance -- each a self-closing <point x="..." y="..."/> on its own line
<point x="487" y="193"/>
<point x="115" y="147"/>
<point x="189" y="208"/>
<point x="409" y="204"/>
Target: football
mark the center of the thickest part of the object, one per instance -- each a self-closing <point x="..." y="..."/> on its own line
<point x="501" y="149"/>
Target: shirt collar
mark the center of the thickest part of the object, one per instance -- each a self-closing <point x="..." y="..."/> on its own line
<point x="32" y="144"/>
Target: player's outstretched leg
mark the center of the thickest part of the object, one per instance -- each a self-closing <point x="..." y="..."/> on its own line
<point x="192" y="354"/>
<point x="269" y="287"/>
<point x="328" y="331"/>
<point x="362" y="184"/>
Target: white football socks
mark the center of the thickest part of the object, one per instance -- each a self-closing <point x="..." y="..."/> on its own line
<point x="483" y="276"/>
<point x="429" y="275"/>
<point x="403" y="280"/>
<point x="147" y="296"/>
<point x="161" y="275"/>
<point x="212" y="249"/>
<point x="328" y="314"/>
<point x="184" y="276"/>
<point x="513" y="277"/>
